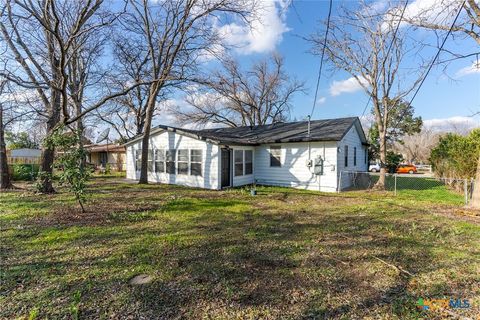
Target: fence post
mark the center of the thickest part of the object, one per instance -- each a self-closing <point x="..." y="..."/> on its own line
<point x="465" y="190"/>
<point x="339" y="182"/>
<point x="395" y="184"/>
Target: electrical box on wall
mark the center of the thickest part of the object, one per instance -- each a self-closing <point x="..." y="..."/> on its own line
<point x="318" y="166"/>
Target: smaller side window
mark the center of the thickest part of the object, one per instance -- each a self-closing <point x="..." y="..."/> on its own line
<point x="138" y="160"/>
<point x="150" y="160"/>
<point x="275" y="156"/>
<point x="196" y="162"/>
<point x="346" y="156"/>
<point x="170" y="157"/>
<point x="354" y="156"/>
<point x="159" y="160"/>
<point x="182" y="161"/>
<point x="248" y="161"/>
<point x="238" y="157"/>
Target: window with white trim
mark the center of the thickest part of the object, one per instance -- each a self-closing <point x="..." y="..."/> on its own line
<point x="160" y="160"/>
<point x="170" y="160"/>
<point x="238" y="158"/>
<point x="275" y="156"/>
<point x="150" y="160"/>
<point x="345" y="150"/>
<point x="138" y="160"/>
<point x="182" y="161"/>
<point x="196" y="162"/>
<point x="248" y="162"/>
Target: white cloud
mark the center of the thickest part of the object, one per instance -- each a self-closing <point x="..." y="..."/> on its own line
<point x="472" y="69"/>
<point x="321" y="100"/>
<point x="349" y="85"/>
<point x="265" y="31"/>
<point x="453" y="124"/>
<point x="440" y="12"/>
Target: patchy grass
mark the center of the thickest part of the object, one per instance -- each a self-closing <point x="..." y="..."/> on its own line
<point x="284" y="253"/>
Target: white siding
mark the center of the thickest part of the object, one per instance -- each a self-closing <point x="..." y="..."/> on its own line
<point x="352" y="140"/>
<point x="171" y="140"/>
<point x="294" y="171"/>
<point x="244" y="179"/>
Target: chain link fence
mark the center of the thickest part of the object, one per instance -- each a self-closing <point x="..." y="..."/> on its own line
<point x="416" y="185"/>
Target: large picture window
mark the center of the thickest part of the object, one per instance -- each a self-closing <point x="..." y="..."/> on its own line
<point x="275" y="156"/>
<point x="196" y="162"/>
<point x="182" y="161"/>
<point x="248" y="161"/>
<point x="170" y="160"/>
<point x="159" y="160"/>
<point x="238" y="156"/>
<point x="138" y="160"/>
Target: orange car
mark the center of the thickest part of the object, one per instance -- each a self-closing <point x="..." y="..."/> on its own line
<point x="406" y="168"/>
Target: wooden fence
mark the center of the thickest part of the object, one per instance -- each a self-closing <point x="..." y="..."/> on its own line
<point x="23" y="160"/>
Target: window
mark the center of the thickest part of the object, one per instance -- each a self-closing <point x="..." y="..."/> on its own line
<point x="275" y="156"/>
<point x="170" y="157"/>
<point x="182" y="161"/>
<point x="238" y="156"/>
<point x="196" y="162"/>
<point x="346" y="156"/>
<point x="248" y="161"/>
<point x="354" y="156"/>
<point x="365" y="155"/>
<point x="150" y="160"/>
<point x="160" y="160"/>
<point x="138" y="160"/>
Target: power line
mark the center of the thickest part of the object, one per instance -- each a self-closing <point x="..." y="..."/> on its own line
<point x="438" y="52"/>
<point x="323" y="54"/>
<point x="390" y="47"/>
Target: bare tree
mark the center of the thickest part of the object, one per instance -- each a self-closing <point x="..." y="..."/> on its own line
<point x="416" y="147"/>
<point x="234" y="97"/>
<point x="43" y="37"/>
<point x="5" y="182"/>
<point x="174" y="34"/>
<point x="369" y="47"/>
<point x="468" y="26"/>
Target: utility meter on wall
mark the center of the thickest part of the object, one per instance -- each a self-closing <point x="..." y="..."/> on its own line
<point x="318" y="166"/>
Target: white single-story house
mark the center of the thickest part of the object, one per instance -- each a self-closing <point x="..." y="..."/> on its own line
<point x="307" y="155"/>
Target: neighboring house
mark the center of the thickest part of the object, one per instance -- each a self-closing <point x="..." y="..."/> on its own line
<point x="281" y="154"/>
<point x="102" y="154"/>
<point x="24" y="156"/>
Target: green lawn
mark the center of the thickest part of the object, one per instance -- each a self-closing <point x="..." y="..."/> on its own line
<point x="283" y="254"/>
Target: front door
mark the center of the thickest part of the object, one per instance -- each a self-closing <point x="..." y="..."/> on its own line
<point x="225" y="167"/>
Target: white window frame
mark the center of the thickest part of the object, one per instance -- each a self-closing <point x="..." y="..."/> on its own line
<point x="196" y="162"/>
<point x="245" y="162"/>
<point x="235" y="163"/>
<point x="279" y="148"/>
<point x="156" y="160"/>
<point x="183" y="161"/>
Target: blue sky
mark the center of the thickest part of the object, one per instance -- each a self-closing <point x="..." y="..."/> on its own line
<point x="439" y="97"/>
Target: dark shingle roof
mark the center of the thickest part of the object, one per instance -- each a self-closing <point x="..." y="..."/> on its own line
<point x="320" y="130"/>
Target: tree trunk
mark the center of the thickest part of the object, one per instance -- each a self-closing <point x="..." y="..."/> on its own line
<point x="475" y="203"/>
<point x="5" y="182"/>
<point x="383" y="159"/>
<point x="48" y="153"/>
<point x="146" y="136"/>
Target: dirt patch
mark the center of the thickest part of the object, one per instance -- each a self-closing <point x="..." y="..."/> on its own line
<point x="463" y="214"/>
<point x="98" y="212"/>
